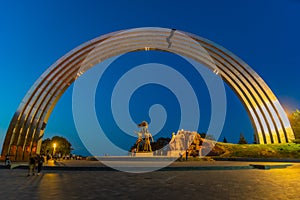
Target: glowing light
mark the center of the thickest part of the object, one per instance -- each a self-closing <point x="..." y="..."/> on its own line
<point x="216" y="71"/>
<point x="54" y="148"/>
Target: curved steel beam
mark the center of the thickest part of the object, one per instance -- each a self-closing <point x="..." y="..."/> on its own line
<point x="26" y="129"/>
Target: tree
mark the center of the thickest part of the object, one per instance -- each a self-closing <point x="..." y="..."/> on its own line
<point x="160" y="143"/>
<point x="294" y="118"/>
<point x="46" y="146"/>
<point x="225" y="140"/>
<point x="242" y="139"/>
<point x="63" y="146"/>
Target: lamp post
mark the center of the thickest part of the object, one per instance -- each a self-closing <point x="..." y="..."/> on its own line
<point x="54" y="148"/>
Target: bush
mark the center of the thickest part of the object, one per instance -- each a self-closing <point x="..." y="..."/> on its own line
<point x="296" y="141"/>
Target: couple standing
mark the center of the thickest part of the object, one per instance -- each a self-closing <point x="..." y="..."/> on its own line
<point x="34" y="161"/>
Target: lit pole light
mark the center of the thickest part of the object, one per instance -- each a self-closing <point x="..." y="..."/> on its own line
<point x="54" y="148"/>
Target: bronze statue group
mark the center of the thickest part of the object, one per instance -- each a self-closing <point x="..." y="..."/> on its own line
<point x="143" y="142"/>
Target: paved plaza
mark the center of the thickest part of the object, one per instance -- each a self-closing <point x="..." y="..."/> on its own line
<point x="173" y="184"/>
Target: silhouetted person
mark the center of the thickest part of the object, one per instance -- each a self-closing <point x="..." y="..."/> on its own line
<point x="180" y="156"/>
<point x="40" y="161"/>
<point x="32" y="164"/>
<point x="186" y="155"/>
<point x="48" y="158"/>
<point x="7" y="162"/>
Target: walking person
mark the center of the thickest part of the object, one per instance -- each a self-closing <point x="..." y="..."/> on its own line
<point x="40" y="161"/>
<point x="7" y="162"/>
<point x="180" y="156"/>
<point x="186" y="155"/>
<point x="47" y="158"/>
<point x="32" y="165"/>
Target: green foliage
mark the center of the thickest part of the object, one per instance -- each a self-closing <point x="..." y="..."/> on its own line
<point x="242" y="139"/>
<point x="160" y="143"/>
<point x="288" y="150"/>
<point x="63" y="146"/>
<point x="295" y="123"/>
<point x="46" y="146"/>
<point x="297" y="141"/>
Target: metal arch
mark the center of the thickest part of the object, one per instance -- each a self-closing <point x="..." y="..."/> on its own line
<point x="26" y="129"/>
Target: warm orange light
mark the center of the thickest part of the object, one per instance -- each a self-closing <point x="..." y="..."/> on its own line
<point x="54" y="148"/>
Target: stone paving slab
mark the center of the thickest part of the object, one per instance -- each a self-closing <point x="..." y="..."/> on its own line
<point x="279" y="184"/>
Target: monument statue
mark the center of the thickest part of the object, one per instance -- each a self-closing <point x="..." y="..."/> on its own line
<point x="144" y="139"/>
<point x="185" y="142"/>
<point x="172" y="142"/>
<point x="182" y="140"/>
<point x="139" y="141"/>
<point x="147" y="145"/>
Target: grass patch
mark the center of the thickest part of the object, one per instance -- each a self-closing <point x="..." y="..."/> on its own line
<point x="227" y="150"/>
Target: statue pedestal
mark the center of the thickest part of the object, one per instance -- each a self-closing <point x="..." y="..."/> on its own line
<point x="144" y="154"/>
<point x="175" y="153"/>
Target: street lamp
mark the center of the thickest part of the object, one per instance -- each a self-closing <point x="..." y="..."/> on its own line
<point x="54" y="148"/>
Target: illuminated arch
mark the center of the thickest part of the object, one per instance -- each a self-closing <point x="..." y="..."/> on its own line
<point x="26" y="129"/>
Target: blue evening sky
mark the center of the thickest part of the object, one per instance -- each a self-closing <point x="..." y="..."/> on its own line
<point x="34" y="34"/>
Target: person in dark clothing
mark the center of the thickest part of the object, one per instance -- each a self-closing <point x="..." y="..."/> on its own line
<point x="7" y="162"/>
<point x="180" y="156"/>
<point x="186" y="155"/>
<point x="32" y="164"/>
<point x="40" y="161"/>
<point x="47" y="158"/>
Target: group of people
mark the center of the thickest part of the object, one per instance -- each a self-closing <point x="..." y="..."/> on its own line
<point x="35" y="162"/>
